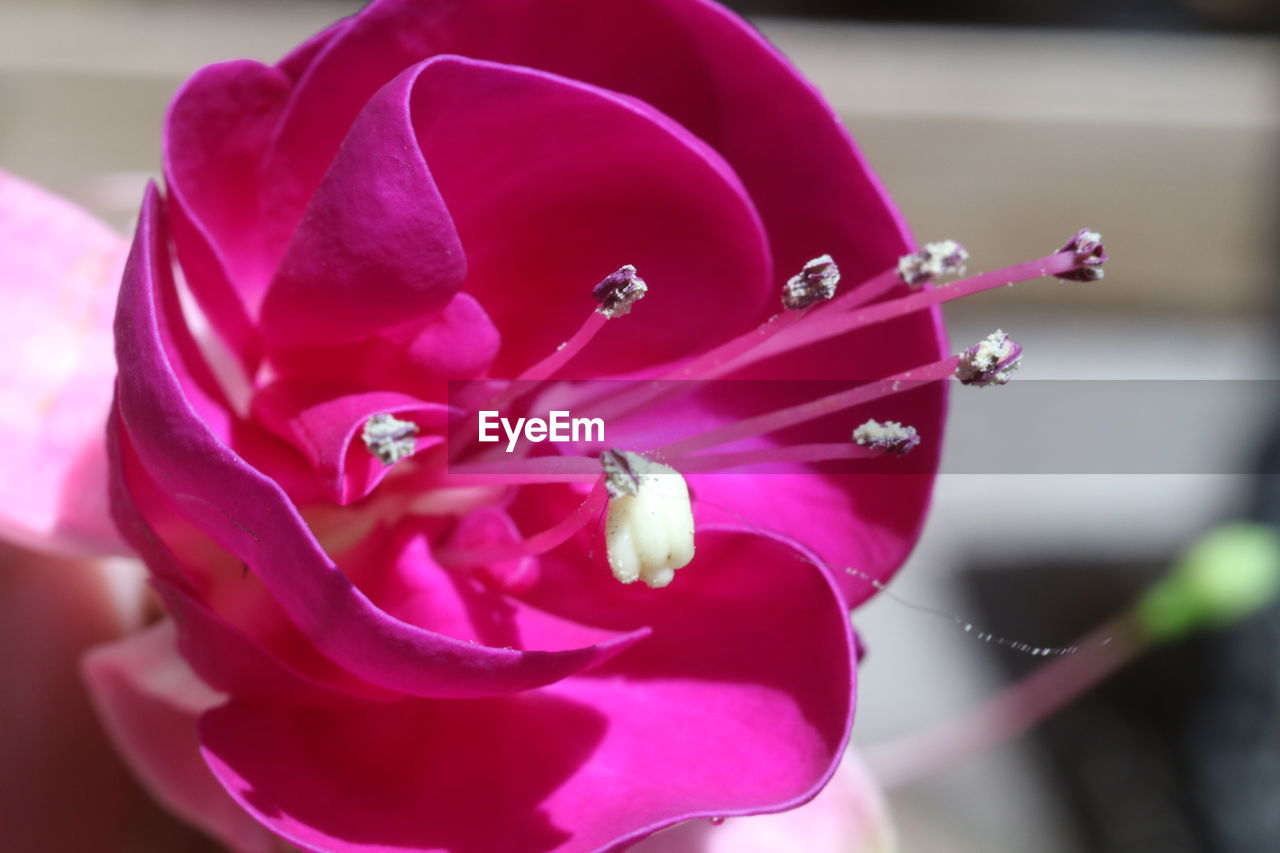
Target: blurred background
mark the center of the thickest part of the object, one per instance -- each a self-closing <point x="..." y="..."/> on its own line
<point x="1007" y="126"/>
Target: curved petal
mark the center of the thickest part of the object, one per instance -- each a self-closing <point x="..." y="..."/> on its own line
<point x="458" y="343"/>
<point x="252" y="519"/>
<point x="849" y="816"/>
<point x="738" y="704"/>
<point x="229" y="660"/>
<point x="700" y="65"/>
<point x="323" y="421"/>
<point x="216" y="131"/>
<point x="376" y="247"/>
<point x="691" y="59"/>
<point x="554" y="184"/>
<point x="149" y="700"/>
<point x="59" y="269"/>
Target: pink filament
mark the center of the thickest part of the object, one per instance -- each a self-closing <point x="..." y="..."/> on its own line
<point x="794" y="453"/>
<point x="798" y="414"/>
<point x="835" y="321"/>
<point x="567" y="350"/>
<point x="539" y="543"/>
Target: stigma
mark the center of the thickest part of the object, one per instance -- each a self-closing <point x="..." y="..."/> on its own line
<point x="649" y="525"/>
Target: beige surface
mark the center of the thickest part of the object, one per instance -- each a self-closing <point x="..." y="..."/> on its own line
<point x="1007" y="141"/>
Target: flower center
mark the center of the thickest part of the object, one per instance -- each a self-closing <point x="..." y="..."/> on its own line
<point x="649" y="527"/>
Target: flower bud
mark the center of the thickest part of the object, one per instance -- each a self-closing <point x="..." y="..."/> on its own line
<point x="1226" y="576"/>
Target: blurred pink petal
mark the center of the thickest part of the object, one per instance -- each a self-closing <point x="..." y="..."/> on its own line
<point x="149" y="700"/>
<point x="849" y="816"/>
<point x="59" y="272"/>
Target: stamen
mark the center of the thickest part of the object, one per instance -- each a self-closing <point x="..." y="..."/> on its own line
<point x="513" y="472"/>
<point x="798" y="414"/>
<point x="619" y="291"/>
<point x="813" y="284"/>
<point x="389" y="438"/>
<point x="818" y="277"/>
<point x="1087" y="250"/>
<point x="620" y="477"/>
<point x="539" y="543"/>
<point x="890" y="436"/>
<point x="824" y="452"/>
<point x="616" y="294"/>
<point x="991" y="361"/>
<point x="832" y="322"/>
<point x="931" y="262"/>
<point x="649" y="527"/>
<point x="548" y="366"/>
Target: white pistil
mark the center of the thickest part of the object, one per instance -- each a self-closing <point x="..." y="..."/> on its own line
<point x="890" y="436"/>
<point x="649" y="527"/>
<point x="932" y="261"/>
<point x="813" y="284"/>
<point x="389" y="438"/>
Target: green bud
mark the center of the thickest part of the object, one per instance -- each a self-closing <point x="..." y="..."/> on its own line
<point x="1229" y="574"/>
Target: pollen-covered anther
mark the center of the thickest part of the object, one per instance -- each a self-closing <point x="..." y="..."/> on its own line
<point x="991" y="361"/>
<point x="931" y="262"/>
<point x="890" y="436"/>
<point x="619" y="291"/>
<point x="389" y="438"/>
<point x="1089" y="254"/>
<point x="649" y="526"/>
<point x="813" y="284"/>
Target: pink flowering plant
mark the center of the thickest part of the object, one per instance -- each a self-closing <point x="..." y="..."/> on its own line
<point x="383" y="636"/>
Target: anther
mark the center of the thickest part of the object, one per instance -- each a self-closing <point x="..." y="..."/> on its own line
<point x="389" y="438"/>
<point x="890" y="436"/>
<point x="649" y="527"/>
<point x="619" y="291"/>
<point x="932" y="261"/>
<point x="813" y="284"/>
<point x="1089" y="254"/>
<point x="991" y="361"/>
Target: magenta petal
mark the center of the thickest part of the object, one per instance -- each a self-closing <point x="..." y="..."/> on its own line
<point x="554" y="184"/>
<point x="228" y="660"/>
<point x="251" y="517"/>
<point x="739" y="703"/>
<point x="149" y="700"/>
<point x="376" y="247"/>
<point x="398" y="570"/>
<point x="691" y="59"/>
<point x="849" y="816"/>
<point x="324" y="423"/>
<point x="458" y="343"/>
<point x="59" y="268"/>
<point x="217" y="129"/>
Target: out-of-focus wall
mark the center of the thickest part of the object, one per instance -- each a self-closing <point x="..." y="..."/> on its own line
<point x="995" y="138"/>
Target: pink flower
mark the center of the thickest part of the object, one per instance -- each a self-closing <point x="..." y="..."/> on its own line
<point x="389" y="651"/>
